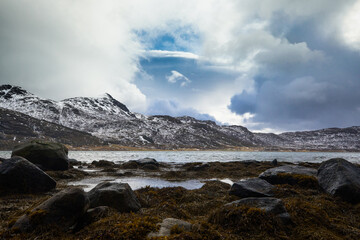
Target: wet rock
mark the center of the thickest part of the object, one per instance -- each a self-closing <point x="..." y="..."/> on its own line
<point x="199" y="167"/>
<point x="74" y="162"/>
<point x="116" y="195"/>
<point x="145" y="161"/>
<point x="274" y="162"/>
<point x="150" y="167"/>
<point x="102" y="163"/>
<point x="130" y="165"/>
<point x="282" y="175"/>
<point x="268" y="204"/>
<point x="63" y="210"/>
<point x="46" y="155"/>
<point x="254" y="187"/>
<point x="18" y="175"/>
<point x="169" y="224"/>
<point x="340" y="178"/>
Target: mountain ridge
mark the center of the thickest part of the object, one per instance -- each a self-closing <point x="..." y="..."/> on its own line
<point x="111" y="121"/>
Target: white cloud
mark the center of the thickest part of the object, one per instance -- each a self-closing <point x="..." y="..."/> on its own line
<point x="170" y="54"/>
<point x="178" y="77"/>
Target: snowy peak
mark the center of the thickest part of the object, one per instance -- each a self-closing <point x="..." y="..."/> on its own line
<point x="8" y="91"/>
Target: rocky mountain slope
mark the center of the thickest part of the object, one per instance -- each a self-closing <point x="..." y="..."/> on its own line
<point x="16" y="127"/>
<point x="106" y="118"/>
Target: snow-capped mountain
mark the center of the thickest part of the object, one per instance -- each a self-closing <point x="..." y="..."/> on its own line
<point x="111" y="121"/>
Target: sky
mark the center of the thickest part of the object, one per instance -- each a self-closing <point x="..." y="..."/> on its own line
<point x="269" y="65"/>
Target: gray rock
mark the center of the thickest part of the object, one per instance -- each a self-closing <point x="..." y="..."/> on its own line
<point x="254" y="187"/>
<point x="167" y="224"/>
<point x="268" y="204"/>
<point x="273" y="175"/>
<point x="74" y="162"/>
<point x="144" y="161"/>
<point x="46" y="155"/>
<point x="18" y="175"/>
<point x="116" y="195"/>
<point x="64" y="209"/>
<point x="274" y="162"/>
<point x="340" y="178"/>
<point x="102" y="163"/>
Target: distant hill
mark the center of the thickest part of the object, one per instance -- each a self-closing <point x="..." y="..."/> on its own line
<point x="107" y="119"/>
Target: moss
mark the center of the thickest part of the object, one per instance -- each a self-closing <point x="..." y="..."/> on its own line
<point x="305" y="181"/>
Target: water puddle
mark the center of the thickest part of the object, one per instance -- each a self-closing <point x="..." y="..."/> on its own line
<point x="138" y="182"/>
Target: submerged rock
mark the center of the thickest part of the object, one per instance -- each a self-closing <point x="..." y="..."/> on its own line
<point x="340" y="178"/>
<point x="253" y="187"/>
<point x="282" y="175"/>
<point x="116" y="195"/>
<point x="63" y="210"/>
<point x="46" y="155"/>
<point x="18" y="175"/>
<point x="169" y="224"/>
<point x="267" y="204"/>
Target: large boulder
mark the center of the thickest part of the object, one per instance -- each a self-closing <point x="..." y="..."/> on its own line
<point x="253" y="187"/>
<point x="46" y="155"/>
<point x="288" y="174"/>
<point x="63" y="210"/>
<point x="116" y="195"/>
<point x="170" y="224"/>
<point x="18" y="175"/>
<point x="267" y="204"/>
<point x="340" y="178"/>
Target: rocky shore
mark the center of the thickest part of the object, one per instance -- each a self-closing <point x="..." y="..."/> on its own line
<point x="265" y="200"/>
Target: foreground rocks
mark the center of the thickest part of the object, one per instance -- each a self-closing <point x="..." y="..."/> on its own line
<point x="116" y="195"/>
<point x="18" y="175"/>
<point x="46" y="155"/>
<point x="63" y="211"/>
<point x="254" y="187"/>
<point x="268" y="204"/>
<point x="340" y="178"/>
<point x="288" y="174"/>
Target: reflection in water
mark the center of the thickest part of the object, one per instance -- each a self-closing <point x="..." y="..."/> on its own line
<point x="138" y="182"/>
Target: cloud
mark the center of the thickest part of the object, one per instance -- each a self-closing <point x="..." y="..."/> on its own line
<point x="178" y="77"/>
<point x="173" y="108"/>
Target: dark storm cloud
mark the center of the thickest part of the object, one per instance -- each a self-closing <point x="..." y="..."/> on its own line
<point x="296" y="93"/>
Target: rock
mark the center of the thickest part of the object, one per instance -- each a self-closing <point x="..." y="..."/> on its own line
<point x="144" y="161"/>
<point x="116" y="195"/>
<point x="268" y="204"/>
<point x="18" y="175"/>
<point x="340" y="178"/>
<point x="102" y="163"/>
<point x="46" y="155"/>
<point x="130" y="165"/>
<point x="64" y="209"/>
<point x="254" y="187"/>
<point x="274" y="162"/>
<point x="199" y="167"/>
<point x="169" y="224"/>
<point x="92" y="215"/>
<point x="282" y="175"/>
<point x="150" y="167"/>
<point x="74" y="162"/>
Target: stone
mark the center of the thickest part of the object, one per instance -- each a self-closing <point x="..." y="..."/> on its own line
<point x="74" y="162"/>
<point x="199" y="167"/>
<point x="268" y="204"/>
<point x="63" y="210"/>
<point x="274" y="162"/>
<point x="102" y="163"/>
<point x="18" y="175"/>
<point x="253" y="187"/>
<point x="340" y="178"/>
<point x="119" y="196"/>
<point x="144" y="161"/>
<point x="167" y="224"/>
<point x="276" y="175"/>
<point x="46" y="155"/>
